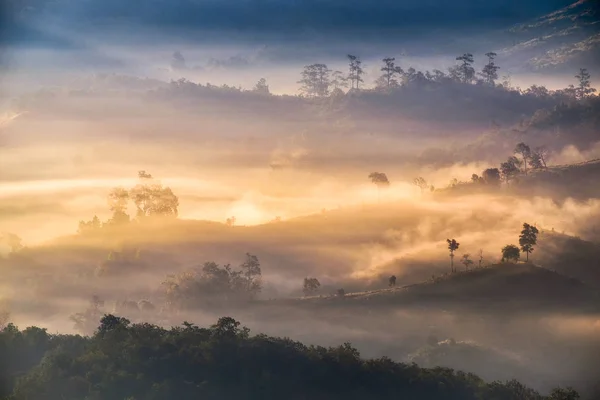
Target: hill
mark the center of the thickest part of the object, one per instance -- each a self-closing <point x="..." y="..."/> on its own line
<point x="503" y="287"/>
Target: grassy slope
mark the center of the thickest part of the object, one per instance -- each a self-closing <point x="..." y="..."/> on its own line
<point x="506" y="286"/>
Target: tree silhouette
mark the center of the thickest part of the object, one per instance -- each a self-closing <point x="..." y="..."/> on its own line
<point x="490" y="70"/>
<point x="510" y="252"/>
<point x="310" y="286"/>
<point x="117" y="204"/>
<point x="452" y="246"/>
<point x="528" y="239"/>
<point x="539" y="157"/>
<point x="466" y="260"/>
<point x="421" y="183"/>
<point x="152" y="199"/>
<point x="261" y="87"/>
<point x="491" y="176"/>
<point x="355" y="71"/>
<point x="480" y="257"/>
<point x="380" y="180"/>
<point x="584" y="88"/>
<point x="466" y="72"/>
<point x="525" y="153"/>
<point x="510" y="169"/>
<point x="315" y="80"/>
<point x="390" y="71"/>
<point x="338" y="80"/>
<point x="392" y="281"/>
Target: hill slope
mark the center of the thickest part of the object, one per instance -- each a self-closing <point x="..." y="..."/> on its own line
<point x="504" y="286"/>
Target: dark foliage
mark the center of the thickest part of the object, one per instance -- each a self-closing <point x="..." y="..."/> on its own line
<point x="143" y="361"/>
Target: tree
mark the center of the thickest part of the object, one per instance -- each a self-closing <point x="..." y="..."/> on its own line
<point x="466" y="260"/>
<point x="341" y="292"/>
<point x="421" y="183"/>
<point x="390" y="71"/>
<point x="567" y="393"/>
<point x="507" y="81"/>
<point x="310" y="286"/>
<point x="380" y="180"/>
<point x="14" y="242"/>
<point x="525" y="153"/>
<point x="584" y="88"/>
<point x="261" y="87"/>
<point x="89" y="226"/>
<point x="480" y="258"/>
<point x="251" y="275"/>
<point x="510" y="169"/>
<point x="152" y="199"/>
<point x="355" y="71"/>
<point x="338" y="80"/>
<point x="528" y="239"/>
<point x="490" y="70"/>
<point x="392" y="281"/>
<point x="452" y="246"/>
<point x="87" y="321"/>
<point x="4" y="314"/>
<point x="465" y="71"/>
<point x="510" y="252"/>
<point x="539" y="157"/>
<point x="477" y="179"/>
<point x="315" y="80"/>
<point x="117" y="203"/>
<point x="491" y="176"/>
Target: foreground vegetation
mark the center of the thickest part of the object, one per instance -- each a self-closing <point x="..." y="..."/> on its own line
<point x="143" y="361"/>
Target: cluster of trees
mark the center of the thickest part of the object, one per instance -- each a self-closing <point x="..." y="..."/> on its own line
<point x="310" y="286"/>
<point x="535" y="159"/>
<point x="214" y="285"/>
<point x="149" y="197"/>
<point x="122" y="360"/>
<point x="523" y="160"/>
<point x="527" y="239"/>
<point x="317" y="80"/>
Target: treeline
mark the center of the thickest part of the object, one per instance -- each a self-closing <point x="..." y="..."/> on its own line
<point x="149" y="198"/>
<point x="143" y="361"/>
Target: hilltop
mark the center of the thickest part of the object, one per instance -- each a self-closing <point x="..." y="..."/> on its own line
<point x="505" y="287"/>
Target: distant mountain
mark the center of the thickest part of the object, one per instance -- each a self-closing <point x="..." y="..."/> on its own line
<point x="566" y="39"/>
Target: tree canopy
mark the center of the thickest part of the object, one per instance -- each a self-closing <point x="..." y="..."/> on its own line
<point x="122" y="360"/>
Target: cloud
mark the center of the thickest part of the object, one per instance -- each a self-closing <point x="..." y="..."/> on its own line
<point x="280" y="21"/>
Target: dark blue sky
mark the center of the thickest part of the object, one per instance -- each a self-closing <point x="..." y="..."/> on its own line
<point x="267" y="20"/>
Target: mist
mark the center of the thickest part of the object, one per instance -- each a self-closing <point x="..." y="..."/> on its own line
<point x="213" y="167"/>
